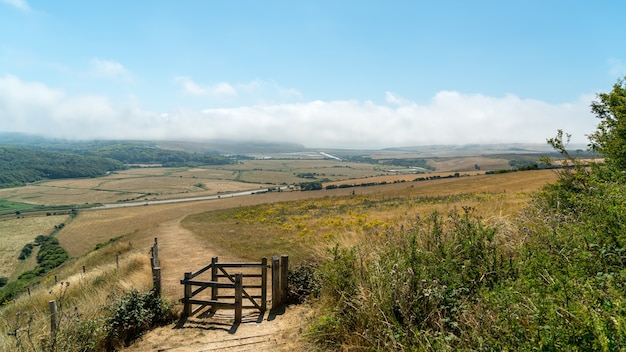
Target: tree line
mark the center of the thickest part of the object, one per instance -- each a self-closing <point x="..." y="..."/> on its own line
<point x="20" y="165"/>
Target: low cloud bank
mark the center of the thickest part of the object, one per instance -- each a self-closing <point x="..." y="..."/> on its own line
<point x="448" y="118"/>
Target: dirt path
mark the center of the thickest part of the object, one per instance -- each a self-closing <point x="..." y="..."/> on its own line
<point x="181" y="250"/>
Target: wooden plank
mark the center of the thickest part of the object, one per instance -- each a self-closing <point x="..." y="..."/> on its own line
<point x="239" y="265"/>
<point x="211" y="303"/>
<point x="263" y="284"/>
<point x="214" y="290"/>
<point x="201" y="271"/>
<point x="187" y="297"/>
<point x="275" y="282"/>
<point x="244" y="275"/>
<point x="284" y="274"/>
<point x="206" y="284"/>
<point x="238" y="297"/>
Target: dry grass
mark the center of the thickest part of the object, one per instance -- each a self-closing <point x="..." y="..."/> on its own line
<point x="467" y="164"/>
<point x="301" y="227"/>
<point x="15" y="233"/>
<point x="86" y="294"/>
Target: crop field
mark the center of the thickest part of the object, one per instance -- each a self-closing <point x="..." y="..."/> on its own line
<point x="166" y="183"/>
<point x="286" y="171"/>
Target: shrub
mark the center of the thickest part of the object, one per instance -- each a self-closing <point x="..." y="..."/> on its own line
<point x="134" y="313"/>
<point x="302" y="283"/>
<point x="26" y="251"/>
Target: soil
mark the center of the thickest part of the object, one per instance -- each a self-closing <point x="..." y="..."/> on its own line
<point x="180" y="250"/>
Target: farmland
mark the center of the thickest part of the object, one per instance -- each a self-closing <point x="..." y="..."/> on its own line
<point x="153" y="183"/>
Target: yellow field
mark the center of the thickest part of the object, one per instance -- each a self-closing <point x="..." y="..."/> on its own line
<point x="15" y="233"/>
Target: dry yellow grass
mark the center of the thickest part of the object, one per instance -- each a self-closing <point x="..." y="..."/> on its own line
<point x="15" y="233"/>
<point x="468" y="164"/>
<point x="301" y="227"/>
<point x="86" y="295"/>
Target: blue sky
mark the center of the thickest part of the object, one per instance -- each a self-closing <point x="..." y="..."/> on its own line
<point x="350" y="74"/>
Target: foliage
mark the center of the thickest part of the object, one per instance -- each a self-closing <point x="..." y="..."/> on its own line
<point x="401" y="162"/>
<point x="19" y="165"/>
<point x="610" y="136"/>
<point x="112" y="327"/>
<point x="302" y="283"/>
<point x="134" y="313"/>
<point x="3" y="281"/>
<point x="26" y="251"/>
<point x="142" y="153"/>
<point x="50" y="256"/>
<point x="311" y="186"/>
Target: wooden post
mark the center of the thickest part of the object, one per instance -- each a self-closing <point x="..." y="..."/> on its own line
<point x="53" y="318"/>
<point x="56" y="279"/>
<point x="187" y="296"/>
<point x="275" y="282"/>
<point x="84" y="269"/>
<point x="156" y="280"/>
<point x="263" y="284"/>
<point x="155" y="253"/>
<point x="284" y="281"/>
<point x="238" y="296"/>
<point x="214" y="278"/>
<point x="29" y="292"/>
<point x="117" y="261"/>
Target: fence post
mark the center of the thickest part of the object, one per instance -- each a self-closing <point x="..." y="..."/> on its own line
<point x="187" y="296"/>
<point x="117" y="262"/>
<point x="284" y="282"/>
<point x="155" y="253"/>
<point x="53" y="318"/>
<point x="238" y="296"/>
<point x="214" y="278"/>
<point x="275" y="282"/>
<point x="263" y="284"/>
<point x="156" y="280"/>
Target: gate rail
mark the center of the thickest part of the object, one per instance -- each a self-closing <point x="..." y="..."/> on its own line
<point x="235" y="283"/>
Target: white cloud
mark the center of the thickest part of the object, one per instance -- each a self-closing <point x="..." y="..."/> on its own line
<point x="109" y="69"/>
<point x="220" y="91"/>
<point x="20" y="4"/>
<point x="448" y="118"/>
<point x="256" y="92"/>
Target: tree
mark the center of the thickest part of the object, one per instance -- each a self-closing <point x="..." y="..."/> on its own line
<point x="609" y="139"/>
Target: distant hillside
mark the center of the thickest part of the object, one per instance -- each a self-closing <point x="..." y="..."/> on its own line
<point x="19" y="165"/>
<point x="232" y="147"/>
<point x="148" y="153"/>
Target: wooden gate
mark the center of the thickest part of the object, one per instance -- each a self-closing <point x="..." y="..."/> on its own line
<point x="229" y="289"/>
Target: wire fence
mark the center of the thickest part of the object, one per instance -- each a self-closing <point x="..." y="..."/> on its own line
<point x="61" y="307"/>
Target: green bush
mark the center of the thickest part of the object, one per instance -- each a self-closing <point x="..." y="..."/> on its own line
<point x="26" y="251"/>
<point x="453" y="282"/>
<point x="133" y="314"/>
<point x="302" y="283"/>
